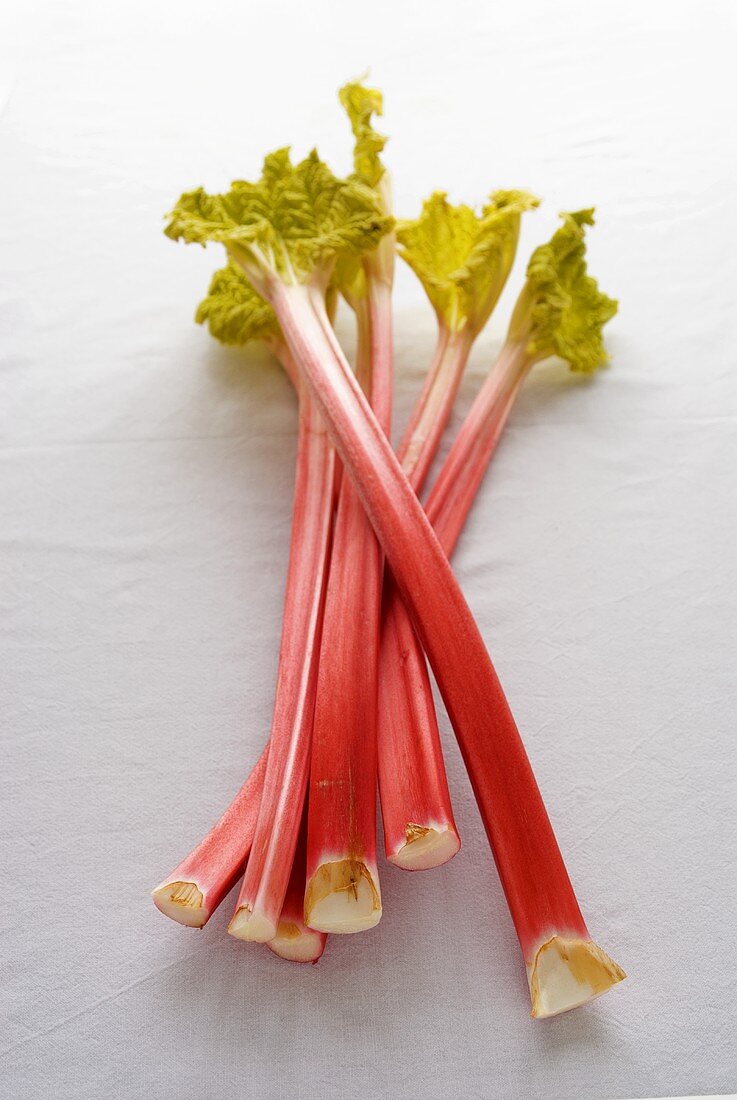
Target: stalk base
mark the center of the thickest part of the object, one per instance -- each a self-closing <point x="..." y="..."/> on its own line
<point x="251" y="927"/>
<point x="297" y="943"/>
<point x="183" y="902"/>
<point x="342" y="896"/>
<point x="425" y="847"/>
<point x="567" y="973"/>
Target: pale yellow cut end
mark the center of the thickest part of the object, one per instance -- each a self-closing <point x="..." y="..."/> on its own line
<point x="251" y="927"/>
<point x="296" y="944"/>
<point x="183" y="902"/>
<point x="425" y="847"/>
<point x="567" y="973"/>
<point x="342" y="897"/>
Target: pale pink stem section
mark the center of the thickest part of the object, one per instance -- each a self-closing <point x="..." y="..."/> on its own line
<point x="294" y="941"/>
<point x="269" y="866"/>
<point x="429" y="386"/>
<point x="342" y="892"/>
<point x="534" y="877"/>
<point x="455" y="488"/>
<point x="432" y="411"/>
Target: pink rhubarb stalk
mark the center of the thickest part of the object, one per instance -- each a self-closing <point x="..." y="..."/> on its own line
<point x="419" y="828"/>
<point x="197" y="885"/>
<point x="269" y="866"/>
<point x="557" y="948"/>
<point x="431" y="413"/>
<point x="343" y="893"/>
<point x="294" y="941"/>
<point x="463" y="260"/>
<point x="417" y="814"/>
<point x="195" y="888"/>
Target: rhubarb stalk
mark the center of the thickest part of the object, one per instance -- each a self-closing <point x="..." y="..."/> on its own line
<point x="343" y="892"/>
<point x="272" y="854"/>
<point x="196" y="886"/>
<point x="294" y="941"/>
<point x="562" y="971"/>
<point x="235" y="315"/>
<point x="463" y="261"/>
<point x="285" y="232"/>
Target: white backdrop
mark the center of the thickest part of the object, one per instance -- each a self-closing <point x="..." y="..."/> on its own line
<point x="146" y="477"/>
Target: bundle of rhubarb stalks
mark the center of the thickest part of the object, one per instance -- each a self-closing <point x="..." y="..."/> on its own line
<point x="370" y="596"/>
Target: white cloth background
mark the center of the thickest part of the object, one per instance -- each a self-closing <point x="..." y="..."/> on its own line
<point x="146" y="477"/>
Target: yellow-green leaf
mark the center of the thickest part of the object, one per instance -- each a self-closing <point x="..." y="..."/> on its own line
<point x="294" y="221"/>
<point x="462" y="258"/>
<point x="232" y="310"/>
<point x="561" y="310"/>
<point x="361" y="104"/>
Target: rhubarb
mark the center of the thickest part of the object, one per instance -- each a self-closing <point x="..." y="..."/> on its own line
<point x="237" y="315"/>
<point x="560" y="312"/>
<point x="463" y="261"/>
<point x="290" y="226"/>
<point x="341" y="845"/>
<point x="285" y="232"/>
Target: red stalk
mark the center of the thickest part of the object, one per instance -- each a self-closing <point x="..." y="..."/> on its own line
<point x="267" y="874"/>
<point x="342" y="893"/>
<point x="418" y="824"/>
<point x="294" y="941"/>
<point x="195" y="888"/>
<point x="432" y="411"/>
<point x="552" y="933"/>
<point x="417" y="814"/>
<point x="419" y="828"/>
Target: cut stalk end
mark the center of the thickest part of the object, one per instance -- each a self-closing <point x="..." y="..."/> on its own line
<point x="567" y="973"/>
<point x="342" y="896"/>
<point x="297" y="943"/>
<point x="251" y="927"/>
<point x="425" y="847"/>
<point x="183" y="902"/>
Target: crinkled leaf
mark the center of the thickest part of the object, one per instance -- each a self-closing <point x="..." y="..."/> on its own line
<point x="463" y="259"/>
<point x="561" y="310"/>
<point x="294" y="221"/>
<point x="234" y="313"/>
<point x="361" y="104"/>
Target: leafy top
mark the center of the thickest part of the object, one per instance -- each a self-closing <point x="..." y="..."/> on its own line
<point x="361" y="104"/>
<point x="561" y="310"/>
<point x="234" y="313"/>
<point x="462" y="258"/>
<point x="291" y="224"/>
